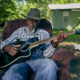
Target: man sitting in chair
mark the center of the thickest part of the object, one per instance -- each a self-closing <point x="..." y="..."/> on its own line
<point x="44" y="68"/>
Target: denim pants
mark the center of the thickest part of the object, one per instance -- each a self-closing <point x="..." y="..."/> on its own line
<point x="45" y="70"/>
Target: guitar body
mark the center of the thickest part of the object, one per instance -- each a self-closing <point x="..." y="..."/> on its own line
<point x="20" y="56"/>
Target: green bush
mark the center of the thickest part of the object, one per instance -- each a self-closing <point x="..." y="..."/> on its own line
<point x="77" y="27"/>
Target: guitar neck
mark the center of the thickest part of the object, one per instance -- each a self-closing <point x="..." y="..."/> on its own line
<point x="41" y="42"/>
<point x="47" y="40"/>
<point x="69" y="33"/>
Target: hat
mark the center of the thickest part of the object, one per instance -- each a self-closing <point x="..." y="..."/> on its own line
<point x="33" y="14"/>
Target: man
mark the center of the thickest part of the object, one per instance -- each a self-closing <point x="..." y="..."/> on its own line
<point x="45" y="68"/>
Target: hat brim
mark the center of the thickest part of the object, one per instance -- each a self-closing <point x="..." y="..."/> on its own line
<point x="34" y="18"/>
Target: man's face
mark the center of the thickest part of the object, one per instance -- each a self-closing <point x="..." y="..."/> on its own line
<point x="32" y="24"/>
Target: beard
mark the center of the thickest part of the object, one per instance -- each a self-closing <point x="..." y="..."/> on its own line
<point x="31" y="29"/>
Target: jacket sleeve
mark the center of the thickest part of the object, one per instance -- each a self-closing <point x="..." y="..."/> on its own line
<point x="10" y="40"/>
<point x="49" y="48"/>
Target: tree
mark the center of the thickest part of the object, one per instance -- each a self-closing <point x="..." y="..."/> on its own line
<point x="22" y="9"/>
<point x="7" y="8"/>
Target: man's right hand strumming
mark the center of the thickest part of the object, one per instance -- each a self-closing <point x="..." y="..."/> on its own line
<point x="11" y="49"/>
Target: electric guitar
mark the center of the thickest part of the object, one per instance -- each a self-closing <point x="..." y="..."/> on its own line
<point x="25" y="51"/>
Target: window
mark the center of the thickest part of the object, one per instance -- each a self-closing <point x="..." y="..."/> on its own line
<point x="65" y="16"/>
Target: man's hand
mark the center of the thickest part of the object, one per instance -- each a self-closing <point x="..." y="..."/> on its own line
<point x="11" y="49"/>
<point x="59" y="37"/>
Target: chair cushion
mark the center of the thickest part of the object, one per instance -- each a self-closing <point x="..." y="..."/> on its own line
<point x="63" y="57"/>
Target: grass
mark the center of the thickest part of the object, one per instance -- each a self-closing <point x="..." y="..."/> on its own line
<point x="1" y="29"/>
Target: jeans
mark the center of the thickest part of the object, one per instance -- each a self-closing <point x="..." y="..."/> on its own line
<point x="45" y="70"/>
<point x="17" y="72"/>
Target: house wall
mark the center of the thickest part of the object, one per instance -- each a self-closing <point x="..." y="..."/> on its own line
<point x="73" y="17"/>
<point x="59" y="22"/>
<point x="57" y="19"/>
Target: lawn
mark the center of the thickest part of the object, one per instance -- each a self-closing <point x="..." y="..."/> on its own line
<point x="1" y="29"/>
